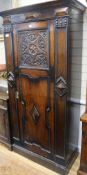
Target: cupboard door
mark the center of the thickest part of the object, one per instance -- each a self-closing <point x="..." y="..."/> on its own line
<point x="34" y="60"/>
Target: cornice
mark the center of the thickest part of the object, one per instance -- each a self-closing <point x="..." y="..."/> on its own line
<point x="42" y="6"/>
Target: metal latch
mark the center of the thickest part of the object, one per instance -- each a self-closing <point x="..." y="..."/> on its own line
<point x="17" y="94"/>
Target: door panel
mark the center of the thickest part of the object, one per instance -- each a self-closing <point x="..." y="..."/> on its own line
<point x="35" y="108"/>
<point x="32" y="45"/>
<point x="35" y="79"/>
<point x="33" y="49"/>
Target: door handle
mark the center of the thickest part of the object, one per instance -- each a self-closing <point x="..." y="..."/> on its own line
<point x="48" y="109"/>
<point x="17" y="95"/>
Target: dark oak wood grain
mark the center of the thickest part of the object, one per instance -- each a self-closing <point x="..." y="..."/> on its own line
<point x="37" y="53"/>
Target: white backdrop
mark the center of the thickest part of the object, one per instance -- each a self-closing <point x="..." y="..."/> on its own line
<point x="28" y="2"/>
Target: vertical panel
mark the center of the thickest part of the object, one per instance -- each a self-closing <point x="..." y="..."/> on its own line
<point x="60" y="84"/>
<point x="10" y="68"/>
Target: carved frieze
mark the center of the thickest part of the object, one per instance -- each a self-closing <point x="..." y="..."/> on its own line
<point x="7" y="28"/>
<point x="33" y="49"/>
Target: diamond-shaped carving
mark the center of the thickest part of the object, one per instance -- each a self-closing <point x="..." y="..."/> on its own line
<point x="35" y="114"/>
<point x="11" y="79"/>
<point x="61" y="86"/>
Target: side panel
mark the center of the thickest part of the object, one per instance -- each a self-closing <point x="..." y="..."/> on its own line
<point x="11" y="85"/>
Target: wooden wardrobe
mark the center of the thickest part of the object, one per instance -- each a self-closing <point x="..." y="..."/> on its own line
<point x="38" y="56"/>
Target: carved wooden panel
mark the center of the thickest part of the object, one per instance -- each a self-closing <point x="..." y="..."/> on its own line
<point x="7" y="28"/>
<point x="33" y="49"/>
<point x="60" y="86"/>
<point x="61" y="22"/>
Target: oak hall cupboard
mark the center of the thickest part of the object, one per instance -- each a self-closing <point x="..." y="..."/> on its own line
<point x="38" y="54"/>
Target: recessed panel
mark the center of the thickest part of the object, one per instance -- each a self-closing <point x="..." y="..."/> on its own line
<point x="33" y="49"/>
